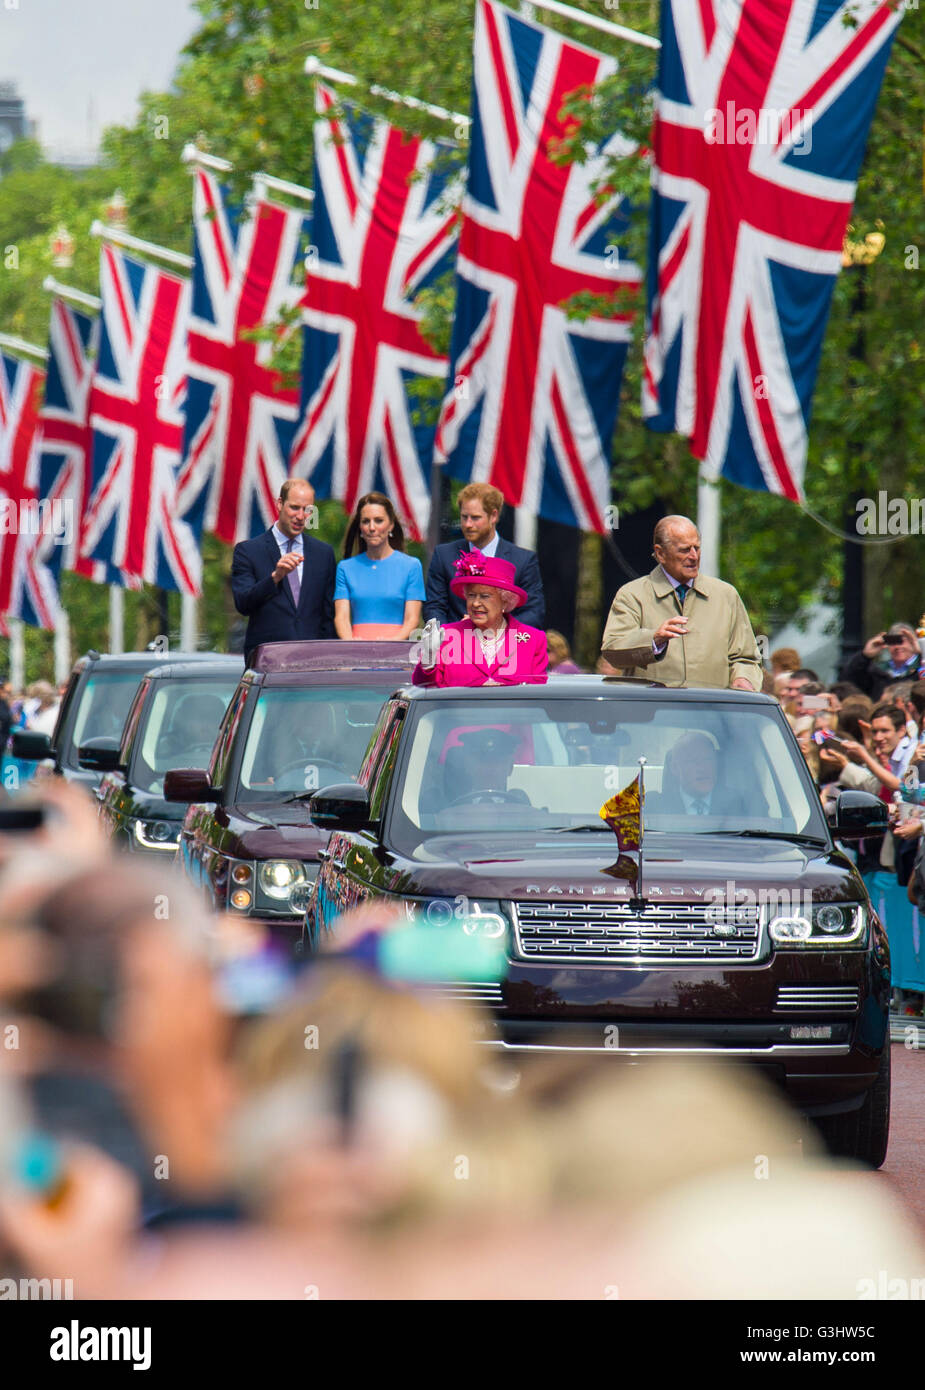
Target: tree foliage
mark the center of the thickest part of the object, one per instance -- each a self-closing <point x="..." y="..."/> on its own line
<point x="240" y="92"/>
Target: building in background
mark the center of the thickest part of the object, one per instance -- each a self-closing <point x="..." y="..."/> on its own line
<point x="14" y="123"/>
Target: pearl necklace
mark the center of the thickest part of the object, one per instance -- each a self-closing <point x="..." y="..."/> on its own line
<point x="490" y="642"/>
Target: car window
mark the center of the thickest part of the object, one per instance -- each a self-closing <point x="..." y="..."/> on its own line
<point x="66" y="704"/>
<point x="302" y="740"/>
<point x="380" y="762"/>
<point x="180" y="728"/>
<point x="131" y="723"/>
<point x="218" y="767"/>
<point x="104" y="705"/>
<point x="530" y="765"/>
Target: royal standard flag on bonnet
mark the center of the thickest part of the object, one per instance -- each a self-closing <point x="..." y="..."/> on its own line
<point x="623" y="813"/>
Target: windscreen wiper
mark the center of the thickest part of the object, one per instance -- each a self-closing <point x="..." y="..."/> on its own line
<point x="775" y="835"/>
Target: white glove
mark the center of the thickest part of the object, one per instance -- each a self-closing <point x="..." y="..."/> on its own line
<point x="431" y="638"/>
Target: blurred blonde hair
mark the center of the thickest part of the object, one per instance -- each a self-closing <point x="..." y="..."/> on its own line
<point x="422" y="1095"/>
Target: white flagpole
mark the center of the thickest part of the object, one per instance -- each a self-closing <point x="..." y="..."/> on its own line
<point x="17" y="654"/>
<point x="189" y="623"/>
<point x="593" y="21"/>
<point x="708" y="520"/>
<point x="71" y="296"/>
<point x="116" y="620"/>
<point x="62" y="647"/>
<point x="192" y="154"/>
<point x="19" y="345"/>
<point x="147" y="248"/>
<point x="315" y="68"/>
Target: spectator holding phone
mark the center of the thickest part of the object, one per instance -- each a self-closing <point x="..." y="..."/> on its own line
<point x="886" y="657"/>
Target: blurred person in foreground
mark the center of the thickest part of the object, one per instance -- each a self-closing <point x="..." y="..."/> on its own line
<point x="124" y="1053"/>
<point x="689" y="628"/>
<point x="379" y="1161"/>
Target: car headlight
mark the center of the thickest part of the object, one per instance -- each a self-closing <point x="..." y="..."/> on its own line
<point x="278" y="877"/>
<point x="825" y="926"/>
<point x="482" y="919"/>
<point x="157" y="834"/>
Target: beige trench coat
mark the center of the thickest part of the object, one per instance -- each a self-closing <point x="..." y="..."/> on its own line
<point x="718" y="647"/>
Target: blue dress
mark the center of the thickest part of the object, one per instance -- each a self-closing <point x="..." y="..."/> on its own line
<point x="378" y="591"/>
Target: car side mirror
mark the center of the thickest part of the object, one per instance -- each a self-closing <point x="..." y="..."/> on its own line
<point x="857" y="815"/>
<point x="31" y="747"/>
<point x="99" y="754"/>
<point x="189" y="785"/>
<point x="344" y="806"/>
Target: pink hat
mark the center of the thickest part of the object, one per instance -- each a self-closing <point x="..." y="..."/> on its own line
<point x="473" y="567"/>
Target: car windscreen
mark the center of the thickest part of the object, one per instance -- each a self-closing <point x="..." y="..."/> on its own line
<point x="103" y="709"/>
<point x="301" y="740"/>
<point x="179" y="729"/>
<point x="519" y="766"/>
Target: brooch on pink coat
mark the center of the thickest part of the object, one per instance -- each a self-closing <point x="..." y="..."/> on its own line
<point x="522" y="636"/>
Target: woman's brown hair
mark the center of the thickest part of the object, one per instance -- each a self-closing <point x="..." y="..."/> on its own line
<point x="353" y="538"/>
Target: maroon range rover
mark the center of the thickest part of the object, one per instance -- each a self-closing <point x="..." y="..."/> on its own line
<point x="298" y="721"/>
<point x="750" y="935"/>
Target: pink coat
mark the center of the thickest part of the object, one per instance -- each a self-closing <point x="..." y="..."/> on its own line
<point x="521" y="659"/>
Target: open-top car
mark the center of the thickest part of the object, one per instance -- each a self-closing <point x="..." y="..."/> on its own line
<point x="744" y="933"/>
<point x="299" y="720"/>
<point x="173" y="722"/>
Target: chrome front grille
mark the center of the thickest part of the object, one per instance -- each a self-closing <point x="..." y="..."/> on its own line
<point x="572" y="931"/>
<point x="471" y="992"/>
<point x="817" y="997"/>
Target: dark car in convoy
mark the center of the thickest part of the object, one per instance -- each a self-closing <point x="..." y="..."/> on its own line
<point x="749" y="934"/>
<point x="95" y="705"/>
<point x="173" y="722"/>
<point x="299" y="720"/>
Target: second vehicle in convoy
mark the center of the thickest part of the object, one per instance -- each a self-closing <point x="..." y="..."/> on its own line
<point x="300" y="719"/>
<point x="173" y="722"/>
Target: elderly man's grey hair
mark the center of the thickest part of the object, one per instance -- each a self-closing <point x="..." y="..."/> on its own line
<point x="663" y="528"/>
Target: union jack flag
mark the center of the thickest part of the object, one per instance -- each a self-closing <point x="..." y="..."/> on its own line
<point x="66" y="440"/>
<point x="762" y="117"/>
<point x="136" y="411"/>
<point x="381" y="230"/>
<point x="239" y="419"/>
<point x="533" y="395"/>
<point x="27" y="590"/>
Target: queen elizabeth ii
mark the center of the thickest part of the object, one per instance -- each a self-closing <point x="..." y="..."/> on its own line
<point x="488" y="646"/>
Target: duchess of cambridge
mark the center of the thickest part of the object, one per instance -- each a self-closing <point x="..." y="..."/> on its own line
<point x="378" y="593"/>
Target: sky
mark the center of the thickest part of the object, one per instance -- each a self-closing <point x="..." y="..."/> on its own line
<point x="80" y="65"/>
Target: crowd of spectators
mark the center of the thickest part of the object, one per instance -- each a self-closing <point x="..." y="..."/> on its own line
<point x="866" y="731"/>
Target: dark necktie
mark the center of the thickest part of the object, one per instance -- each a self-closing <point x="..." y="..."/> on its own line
<point x="681" y="592"/>
<point x="295" y="583"/>
<point x="699" y="808"/>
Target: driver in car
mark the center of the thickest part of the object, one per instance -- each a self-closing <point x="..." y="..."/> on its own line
<point x="293" y="743"/>
<point x="478" y="767"/>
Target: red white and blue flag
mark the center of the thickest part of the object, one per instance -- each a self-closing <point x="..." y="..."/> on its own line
<point x="533" y="395"/>
<point x="382" y="230"/>
<point x="66" y="442"/>
<point x="240" y="420"/>
<point x="27" y="589"/>
<point x="762" y="117"/>
<point x="136" y="412"/>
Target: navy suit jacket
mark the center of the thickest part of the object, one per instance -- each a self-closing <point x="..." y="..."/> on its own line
<point x="441" y="603"/>
<point x="269" y="607"/>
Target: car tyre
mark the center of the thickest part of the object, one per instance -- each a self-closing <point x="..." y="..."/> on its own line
<point x="862" y="1134"/>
